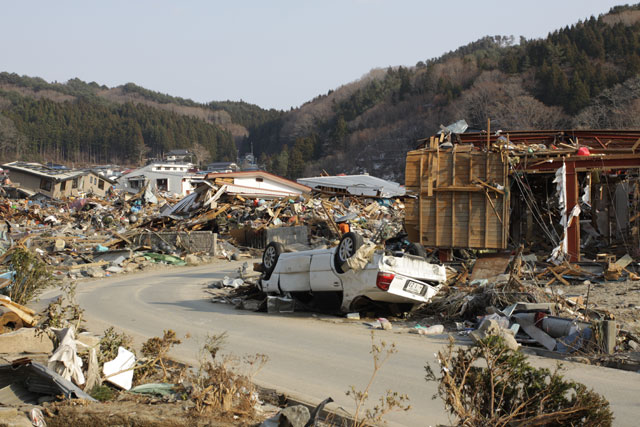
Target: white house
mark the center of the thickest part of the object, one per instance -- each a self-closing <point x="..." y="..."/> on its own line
<point x="179" y="155"/>
<point x="258" y="184"/>
<point x="163" y="177"/>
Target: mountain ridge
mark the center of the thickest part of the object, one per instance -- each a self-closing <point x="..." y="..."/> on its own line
<point x="582" y="75"/>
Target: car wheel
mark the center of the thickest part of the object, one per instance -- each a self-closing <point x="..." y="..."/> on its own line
<point x="416" y="249"/>
<point x="270" y="258"/>
<point x="347" y="247"/>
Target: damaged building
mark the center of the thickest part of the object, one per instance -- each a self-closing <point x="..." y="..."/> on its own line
<point x="167" y="177"/>
<point x="32" y="178"/>
<point x="569" y="193"/>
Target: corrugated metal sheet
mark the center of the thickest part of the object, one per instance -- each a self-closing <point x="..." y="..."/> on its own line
<point x="27" y="380"/>
<point x="357" y="185"/>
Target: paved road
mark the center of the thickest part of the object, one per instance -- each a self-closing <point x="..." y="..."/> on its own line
<point x="311" y="357"/>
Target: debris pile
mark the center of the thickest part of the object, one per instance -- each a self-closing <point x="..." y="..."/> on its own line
<point x="122" y="232"/>
<point x="540" y="305"/>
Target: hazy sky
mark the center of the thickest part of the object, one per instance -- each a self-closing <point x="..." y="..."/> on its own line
<point x="276" y="54"/>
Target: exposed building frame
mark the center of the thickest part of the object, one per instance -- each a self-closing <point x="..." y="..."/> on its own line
<point x="536" y="152"/>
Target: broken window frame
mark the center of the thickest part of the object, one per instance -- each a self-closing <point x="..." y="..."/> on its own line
<point x="162" y="184"/>
<point x="46" y="184"/>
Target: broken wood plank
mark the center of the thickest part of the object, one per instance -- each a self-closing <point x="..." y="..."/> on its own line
<point x="544" y="273"/>
<point x="209" y="216"/>
<point x="560" y="278"/>
<point x="493" y="207"/>
<point x="21" y="307"/>
<point x="624" y="261"/>
<point x="21" y="311"/>
<point x="490" y="187"/>
<point x="332" y="223"/>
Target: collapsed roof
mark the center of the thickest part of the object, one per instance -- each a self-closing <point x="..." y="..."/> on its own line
<point x="355" y="185"/>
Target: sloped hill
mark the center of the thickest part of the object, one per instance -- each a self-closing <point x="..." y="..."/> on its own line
<point x="86" y="122"/>
<point x="585" y="75"/>
<point x="570" y="78"/>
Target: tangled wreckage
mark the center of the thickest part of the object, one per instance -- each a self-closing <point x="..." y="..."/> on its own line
<point x="520" y="234"/>
<point x="524" y="225"/>
<point x="560" y="207"/>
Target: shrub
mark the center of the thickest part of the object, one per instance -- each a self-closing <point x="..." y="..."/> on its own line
<point x="489" y="384"/>
<point x="110" y="342"/>
<point x="31" y="278"/>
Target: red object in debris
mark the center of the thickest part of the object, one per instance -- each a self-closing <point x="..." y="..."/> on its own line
<point x="537" y="319"/>
<point x="584" y="151"/>
<point x="344" y="227"/>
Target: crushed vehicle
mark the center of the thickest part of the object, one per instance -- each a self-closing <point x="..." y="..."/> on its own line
<point x="401" y="278"/>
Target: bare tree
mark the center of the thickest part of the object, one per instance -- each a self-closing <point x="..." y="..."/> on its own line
<point x="202" y="155"/>
<point x="507" y="103"/>
<point x="614" y="108"/>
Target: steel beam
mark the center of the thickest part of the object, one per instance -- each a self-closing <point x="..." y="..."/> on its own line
<point x="573" y="231"/>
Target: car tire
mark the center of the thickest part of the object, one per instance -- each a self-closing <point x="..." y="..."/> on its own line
<point x="347" y="247"/>
<point x="416" y="249"/>
<point x="270" y="258"/>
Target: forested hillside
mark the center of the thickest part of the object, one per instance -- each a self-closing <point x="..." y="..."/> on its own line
<point x="583" y="76"/>
<point x="88" y="123"/>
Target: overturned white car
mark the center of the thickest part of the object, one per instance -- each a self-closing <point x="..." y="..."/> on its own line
<point x="356" y="273"/>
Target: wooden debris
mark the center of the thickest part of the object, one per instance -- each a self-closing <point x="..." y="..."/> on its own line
<point x="25" y="314"/>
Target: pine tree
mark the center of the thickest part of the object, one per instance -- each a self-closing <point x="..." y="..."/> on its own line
<point x="578" y="95"/>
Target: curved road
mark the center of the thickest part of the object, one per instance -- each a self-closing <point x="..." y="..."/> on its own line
<point x="311" y="357"/>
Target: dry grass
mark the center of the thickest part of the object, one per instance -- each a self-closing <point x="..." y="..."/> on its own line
<point x="389" y="402"/>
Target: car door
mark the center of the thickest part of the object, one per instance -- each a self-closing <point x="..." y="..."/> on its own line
<point x="322" y="277"/>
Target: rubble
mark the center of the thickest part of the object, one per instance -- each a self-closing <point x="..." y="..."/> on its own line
<point x="427" y="330"/>
<point x="65" y="360"/>
<point x="530" y="305"/>
<point x="540" y="298"/>
<point x="25" y="340"/>
<point x="31" y="382"/>
<point x="291" y="416"/>
<point x="119" y="371"/>
<point x="491" y="327"/>
<point x="83" y="236"/>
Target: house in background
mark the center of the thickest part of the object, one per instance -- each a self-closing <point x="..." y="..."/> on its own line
<point x="222" y="167"/>
<point x="248" y="163"/>
<point x="32" y="178"/>
<point x="355" y="185"/>
<point x="179" y="155"/>
<point x="163" y="177"/>
<point x="259" y="184"/>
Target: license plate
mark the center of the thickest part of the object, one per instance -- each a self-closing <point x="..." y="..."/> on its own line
<point x="414" y="287"/>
